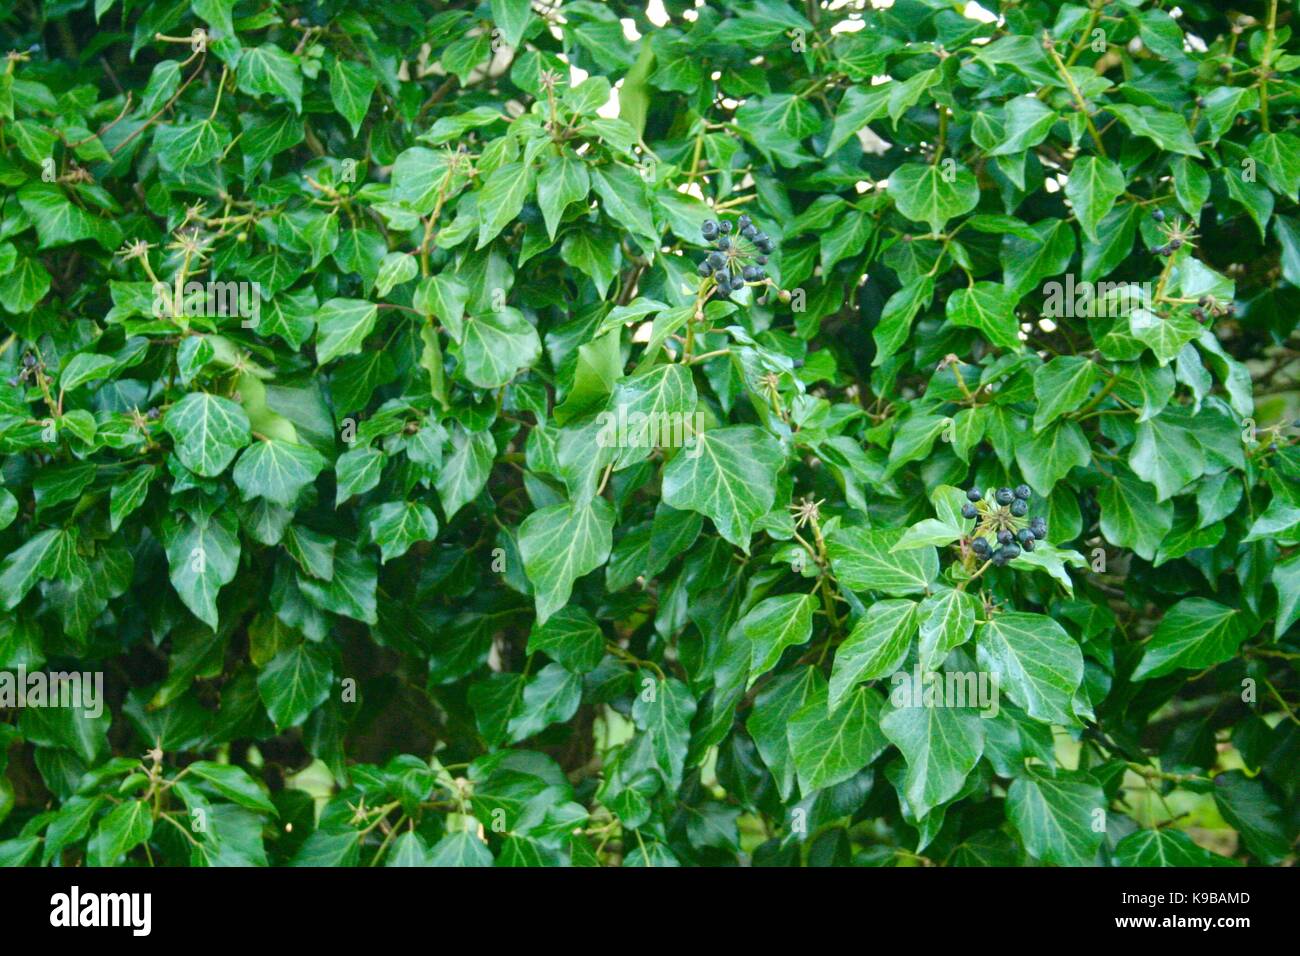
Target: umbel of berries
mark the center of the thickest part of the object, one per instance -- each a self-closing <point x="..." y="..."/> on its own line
<point x="1002" y="529"/>
<point x="739" y="254"/>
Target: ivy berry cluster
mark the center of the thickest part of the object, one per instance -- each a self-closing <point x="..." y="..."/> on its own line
<point x="736" y="259"/>
<point x="29" y="367"/>
<point x="1003" y="530"/>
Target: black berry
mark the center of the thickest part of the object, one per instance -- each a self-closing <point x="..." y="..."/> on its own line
<point x="974" y="494"/>
<point x="724" y="227"/>
<point x="1005" y="537"/>
<point x="1023" y="492"/>
<point x="1005" y="496"/>
<point x="1019" y="508"/>
<point x="968" y="510"/>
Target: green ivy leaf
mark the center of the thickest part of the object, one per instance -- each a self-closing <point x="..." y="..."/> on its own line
<point x="775" y="624"/>
<point x="941" y="746"/>
<point x="830" y="746"/>
<point x="1035" y="660"/>
<point x="561" y="543"/>
<point x="727" y="475"/>
<point x="1194" y="633"/>
<point x="1056" y="817"/>
<point x="295" y="683"/>
<point x="932" y="194"/>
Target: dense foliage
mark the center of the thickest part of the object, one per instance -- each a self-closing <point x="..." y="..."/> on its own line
<point x="590" y="433"/>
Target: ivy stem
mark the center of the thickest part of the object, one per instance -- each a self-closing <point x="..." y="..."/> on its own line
<point x="1079" y="101"/>
<point x="1266" y="64"/>
<point x="221" y="88"/>
<point x="974" y="577"/>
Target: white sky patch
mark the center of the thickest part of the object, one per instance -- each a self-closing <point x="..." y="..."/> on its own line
<point x="1047" y="325"/>
<point x="643" y="333"/>
<point x="655" y="13"/>
<point x="691" y="189"/>
<point x="629" y="29"/>
<point x="974" y="11"/>
<point x="848" y="26"/>
<point x="610" y="109"/>
<point x="861" y="186"/>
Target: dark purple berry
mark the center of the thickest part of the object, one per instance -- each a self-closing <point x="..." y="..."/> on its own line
<point x="1005" y="496"/>
<point x="974" y="494"/>
<point x="980" y="546"/>
<point x="1028" y="545"/>
<point x="1019" y="508"/>
<point x="968" y="510"/>
<point x="1158" y="215"/>
<point x="1023" y="492"/>
<point x="1005" y="537"/>
<point x="724" y="228"/>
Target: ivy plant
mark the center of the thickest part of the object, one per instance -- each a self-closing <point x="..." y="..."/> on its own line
<point x="576" y="433"/>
